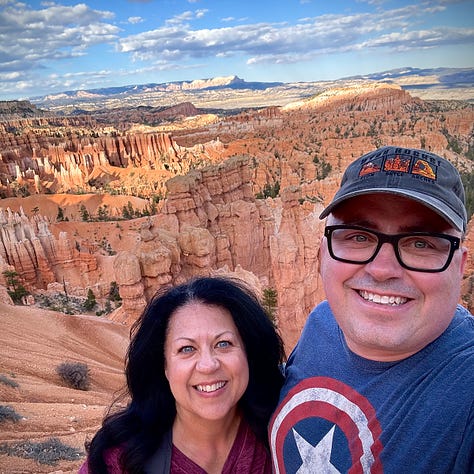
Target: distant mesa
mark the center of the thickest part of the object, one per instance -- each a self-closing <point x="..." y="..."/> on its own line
<point x="232" y="92"/>
<point x="233" y="82"/>
<point x="19" y="108"/>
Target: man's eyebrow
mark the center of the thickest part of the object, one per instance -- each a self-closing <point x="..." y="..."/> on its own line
<point x="415" y="227"/>
<point x="359" y="222"/>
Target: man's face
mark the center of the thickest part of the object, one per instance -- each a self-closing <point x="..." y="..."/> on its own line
<point x="424" y="302"/>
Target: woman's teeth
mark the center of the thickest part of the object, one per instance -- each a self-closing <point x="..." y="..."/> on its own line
<point x="210" y="388"/>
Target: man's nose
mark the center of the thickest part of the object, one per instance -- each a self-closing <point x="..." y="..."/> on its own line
<point x="385" y="265"/>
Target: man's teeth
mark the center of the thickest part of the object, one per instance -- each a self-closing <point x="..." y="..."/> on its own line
<point x="210" y="388"/>
<point x="383" y="299"/>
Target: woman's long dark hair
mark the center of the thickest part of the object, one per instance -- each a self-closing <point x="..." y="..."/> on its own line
<point x="140" y="427"/>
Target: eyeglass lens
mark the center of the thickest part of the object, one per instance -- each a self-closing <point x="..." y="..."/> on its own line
<point x="419" y="251"/>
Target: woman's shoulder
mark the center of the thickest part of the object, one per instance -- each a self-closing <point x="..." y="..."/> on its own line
<point x="248" y="453"/>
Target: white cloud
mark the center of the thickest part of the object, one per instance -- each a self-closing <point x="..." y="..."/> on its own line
<point x="422" y="39"/>
<point x="33" y="42"/>
<point x="181" y="18"/>
<point x="201" y="13"/>
<point x="394" y="30"/>
<point x="135" y="19"/>
<point x="52" y="33"/>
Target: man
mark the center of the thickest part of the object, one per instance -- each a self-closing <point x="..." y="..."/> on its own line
<point x="382" y="378"/>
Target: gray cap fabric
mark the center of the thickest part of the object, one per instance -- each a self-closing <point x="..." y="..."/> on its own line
<point x="417" y="174"/>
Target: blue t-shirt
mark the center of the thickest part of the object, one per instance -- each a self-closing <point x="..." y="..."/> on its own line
<point x="339" y="412"/>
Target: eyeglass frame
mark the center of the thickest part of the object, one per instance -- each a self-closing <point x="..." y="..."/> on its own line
<point x="392" y="239"/>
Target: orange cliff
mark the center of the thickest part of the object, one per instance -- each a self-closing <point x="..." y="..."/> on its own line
<point x="210" y="219"/>
<point x="39" y="257"/>
<point x="56" y="164"/>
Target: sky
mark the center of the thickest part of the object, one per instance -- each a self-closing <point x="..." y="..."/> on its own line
<point x="47" y="47"/>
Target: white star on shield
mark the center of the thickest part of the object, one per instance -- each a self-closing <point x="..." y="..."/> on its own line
<point x="317" y="458"/>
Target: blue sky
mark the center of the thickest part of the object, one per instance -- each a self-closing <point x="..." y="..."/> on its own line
<point x="49" y="47"/>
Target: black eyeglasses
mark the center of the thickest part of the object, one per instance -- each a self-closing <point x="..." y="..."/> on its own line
<point x="417" y="251"/>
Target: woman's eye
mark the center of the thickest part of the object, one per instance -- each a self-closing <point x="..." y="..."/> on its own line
<point x="223" y="344"/>
<point x="186" y="349"/>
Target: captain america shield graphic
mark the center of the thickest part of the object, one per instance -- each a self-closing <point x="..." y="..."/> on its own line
<point x="324" y="426"/>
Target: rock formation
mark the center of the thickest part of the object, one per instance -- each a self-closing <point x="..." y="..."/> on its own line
<point x="240" y="193"/>
<point x="28" y="246"/>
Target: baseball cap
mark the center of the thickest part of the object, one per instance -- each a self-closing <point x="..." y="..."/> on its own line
<point x="416" y="174"/>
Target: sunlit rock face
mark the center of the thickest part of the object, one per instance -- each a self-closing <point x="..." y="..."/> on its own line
<point x="238" y="194"/>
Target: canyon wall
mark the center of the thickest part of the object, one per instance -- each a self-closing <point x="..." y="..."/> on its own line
<point x="240" y="195"/>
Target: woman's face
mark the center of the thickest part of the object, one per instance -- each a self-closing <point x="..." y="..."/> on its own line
<point x="205" y="363"/>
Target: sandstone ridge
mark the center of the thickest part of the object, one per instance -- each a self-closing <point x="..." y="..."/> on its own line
<point x="201" y="189"/>
<point x="87" y="204"/>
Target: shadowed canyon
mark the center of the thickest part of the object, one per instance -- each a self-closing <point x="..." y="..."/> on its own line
<point x="112" y="205"/>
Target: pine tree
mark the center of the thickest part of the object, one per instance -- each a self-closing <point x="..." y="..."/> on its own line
<point x="90" y="302"/>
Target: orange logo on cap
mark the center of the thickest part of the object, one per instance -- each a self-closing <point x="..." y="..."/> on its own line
<point x="422" y="168"/>
<point x="368" y="168"/>
<point x="397" y="164"/>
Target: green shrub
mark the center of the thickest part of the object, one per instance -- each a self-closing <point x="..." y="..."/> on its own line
<point x="468" y="182"/>
<point x="269" y="190"/>
<point x="15" y="289"/>
<point x="103" y="213"/>
<point x="74" y="374"/>
<point x="90" y="302"/>
<point x="48" y="452"/>
<point x="114" y="292"/>
<point x="7" y="413"/>
<point x="270" y="302"/>
<point x="60" y="216"/>
<point x="323" y="168"/>
<point x="86" y="217"/>
<point x="127" y="211"/>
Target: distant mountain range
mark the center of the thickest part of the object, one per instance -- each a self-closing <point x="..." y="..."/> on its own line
<point x="226" y="82"/>
<point x="460" y="80"/>
<point x="449" y="77"/>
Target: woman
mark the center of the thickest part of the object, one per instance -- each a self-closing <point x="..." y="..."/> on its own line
<point x="203" y="375"/>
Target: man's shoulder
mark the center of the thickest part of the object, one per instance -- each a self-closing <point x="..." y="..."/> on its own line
<point x="463" y="311"/>
<point x="320" y="323"/>
<point x="321" y="312"/>
<point x="454" y="350"/>
<point x="463" y="324"/>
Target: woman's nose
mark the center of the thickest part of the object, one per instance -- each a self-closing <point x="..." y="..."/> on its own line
<point x="207" y="362"/>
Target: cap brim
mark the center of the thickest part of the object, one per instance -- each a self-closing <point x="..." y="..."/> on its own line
<point x="434" y="204"/>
